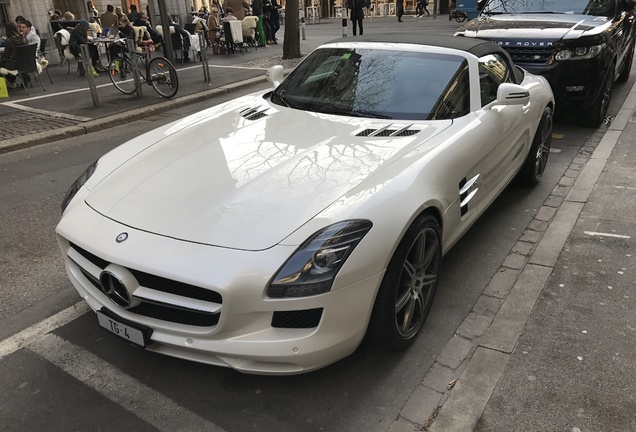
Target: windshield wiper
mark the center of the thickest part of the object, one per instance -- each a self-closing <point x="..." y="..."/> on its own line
<point x="285" y="100"/>
<point x="354" y="113"/>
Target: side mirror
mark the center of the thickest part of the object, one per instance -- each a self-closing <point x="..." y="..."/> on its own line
<point x="512" y="94"/>
<point x="275" y="75"/>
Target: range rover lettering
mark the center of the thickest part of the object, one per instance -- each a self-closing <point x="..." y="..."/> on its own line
<point x="581" y="46"/>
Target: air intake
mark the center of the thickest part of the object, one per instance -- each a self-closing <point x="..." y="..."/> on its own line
<point x="389" y="131"/>
<point x="254" y="113"/>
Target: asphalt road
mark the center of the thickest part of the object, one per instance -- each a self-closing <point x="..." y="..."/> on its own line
<point x="81" y="378"/>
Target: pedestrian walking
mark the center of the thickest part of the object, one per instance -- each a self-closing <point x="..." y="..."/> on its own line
<point x="399" y="9"/>
<point x="356" y="15"/>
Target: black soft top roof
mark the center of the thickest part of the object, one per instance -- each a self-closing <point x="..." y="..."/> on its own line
<point x="477" y="47"/>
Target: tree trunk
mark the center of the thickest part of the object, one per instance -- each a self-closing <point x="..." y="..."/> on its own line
<point x="291" y="44"/>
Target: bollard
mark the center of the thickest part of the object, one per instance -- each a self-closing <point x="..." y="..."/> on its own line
<point x="302" y="28"/>
<point x="134" y="61"/>
<point x="344" y="27"/>
<point x="88" y="71"/>
<point x="204" y="56"/>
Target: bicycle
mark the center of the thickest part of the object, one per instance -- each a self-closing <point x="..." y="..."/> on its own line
<point x="157" y="72"/>
<point x="459" y="16"/>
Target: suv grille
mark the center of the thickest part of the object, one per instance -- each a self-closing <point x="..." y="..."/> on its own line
<point x="163" y="311"/>
<point x="529" y="55"/>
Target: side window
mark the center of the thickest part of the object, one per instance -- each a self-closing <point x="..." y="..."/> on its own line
<point x="493" y="70"/>
<point x="454" y="101"/>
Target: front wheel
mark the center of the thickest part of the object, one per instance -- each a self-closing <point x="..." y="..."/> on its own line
<point x="406" y="294"/>
<point x="595" y="116"/>
<point x="163" y="77"/>
<point x="461" y="17"/>
<point x="535" y="164"/>
<point x="120" y="72"/>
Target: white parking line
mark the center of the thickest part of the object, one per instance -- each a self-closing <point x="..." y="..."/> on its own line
<point x="600" y="234"/>
<point x="130" y="394"/>
<point x="36" y="331"/>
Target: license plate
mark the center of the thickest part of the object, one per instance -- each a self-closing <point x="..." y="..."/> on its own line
<point x="122" y="330"/>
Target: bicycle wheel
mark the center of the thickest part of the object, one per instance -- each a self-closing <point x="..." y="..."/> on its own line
<point x="121" y="75"/>
<point x="163" y="77"/>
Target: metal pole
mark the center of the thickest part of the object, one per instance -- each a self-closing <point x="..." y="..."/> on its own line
<point x="88" y="71"/>
<point x="168" y="51"/>
<point x="344" y="27"/>
<point x="204" y="56"/>
<point x="134" y="61"/>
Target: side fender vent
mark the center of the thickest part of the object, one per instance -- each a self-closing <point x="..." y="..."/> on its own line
<point x="254" y="113"/>
<point x="388" y="131"/>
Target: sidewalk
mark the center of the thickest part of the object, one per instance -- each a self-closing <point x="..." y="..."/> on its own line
<point x="549" y="346"/>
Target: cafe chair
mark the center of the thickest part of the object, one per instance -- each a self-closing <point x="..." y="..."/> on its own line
<point x="42" y="61"/>
<point x="232" y="37"/>
<point x="250" y="35"/>
<point x="27" y="65"/>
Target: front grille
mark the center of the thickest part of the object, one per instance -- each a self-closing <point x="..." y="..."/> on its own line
<point x="309" y="318"/>
<point x="164" y="312"/>
<point x="529" y="55"/>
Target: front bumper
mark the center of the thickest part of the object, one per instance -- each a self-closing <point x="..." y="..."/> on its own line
<point x="576" y="84"/>
<point x="240" y="327"/>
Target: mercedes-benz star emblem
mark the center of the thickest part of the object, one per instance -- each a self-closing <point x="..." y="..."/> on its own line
<point x="115" y="289"/>
<point x="121" y="237"/>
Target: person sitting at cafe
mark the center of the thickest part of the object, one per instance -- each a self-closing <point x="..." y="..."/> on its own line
<point x="28" y="31"/>
<point x="185" y="36"/>
<point x="214" y="25"/>
<point x="126" y="31"/>
<point x="9" y="59"/>
<point x="142" y="21"/>
<point x="79" y="36"/>
<point x="94" y="28"/>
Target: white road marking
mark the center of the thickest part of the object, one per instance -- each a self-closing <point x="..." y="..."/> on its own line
<point x="36" y="331"/>
<point x="130" y="394"/>
<point x="599" y="234"/>
<point x="45" y="112"/>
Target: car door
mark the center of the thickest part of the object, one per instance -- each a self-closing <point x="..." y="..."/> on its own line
<point x="503" y="123"/>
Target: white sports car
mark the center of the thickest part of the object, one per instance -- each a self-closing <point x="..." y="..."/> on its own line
<point x="273" y="233"/>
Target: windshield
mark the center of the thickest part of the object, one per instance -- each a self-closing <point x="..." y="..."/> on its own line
<point x="378" y="83"/>
<point x="605" y="8"/>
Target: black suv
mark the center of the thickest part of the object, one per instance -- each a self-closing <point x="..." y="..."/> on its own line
<point x="581" y="46"/>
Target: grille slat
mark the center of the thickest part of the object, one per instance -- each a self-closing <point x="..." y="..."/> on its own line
<point x="169" y="313"/>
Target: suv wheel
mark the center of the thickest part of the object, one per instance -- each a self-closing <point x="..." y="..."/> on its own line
<point x="596" y="114"/>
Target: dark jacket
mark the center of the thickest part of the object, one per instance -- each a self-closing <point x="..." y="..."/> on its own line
<point x="257" y="7"/>
<point x="9" y="56"/>
<point x="357" y="9"/>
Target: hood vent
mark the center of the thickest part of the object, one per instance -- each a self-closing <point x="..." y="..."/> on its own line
<point x="254" y="113"/>
<point x="389" y="131"/>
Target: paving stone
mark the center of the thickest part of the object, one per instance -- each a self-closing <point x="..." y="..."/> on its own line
<point x="571" y="173"/>
<point x="539" y="226"/>
<point x="501" y="283"/>
<point x="515" y="261"/>
<point x="553" y="201"/>
<point x="403" y="425"/>
<point x="545" y="213"/>
<point x="455" y="352"/>
<point x="474" y="325"/>
<point x="438" y="377"/>
<point x="566" y="181"/>
<point x="578" y="161"/>
<point x="530" y="236"/>
<point x="561" y="190"/>
<point x="421" y="405"/>
<point x="523" y="248"/>
<point x="487" y="305"/>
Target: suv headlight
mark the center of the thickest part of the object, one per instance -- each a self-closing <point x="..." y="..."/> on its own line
<point x="579" y="53"/>
<point x="77" y="185"/>
<point x="313" y="267"/>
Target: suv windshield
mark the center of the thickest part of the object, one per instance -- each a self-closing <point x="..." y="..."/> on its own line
<point x="605" y="8"/>
<point x="378" y="83"/>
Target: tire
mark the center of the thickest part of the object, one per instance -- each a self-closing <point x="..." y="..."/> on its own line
<point x="534" y="166"/>
<point x="461" y="17"/>
<point x="406" y="293"/>
<point x="627" y="67"/>
<point x="120" y="72"/>
<point x="596" y="114"/>
<point x="163" y="77"/>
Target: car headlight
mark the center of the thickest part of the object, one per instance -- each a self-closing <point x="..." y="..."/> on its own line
<point x="77" y="185"/>
<point x="313" y="267"/>
<point x="579" y="53"/>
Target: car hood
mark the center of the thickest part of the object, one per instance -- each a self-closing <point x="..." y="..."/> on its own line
<point x="248" y="174"/>
<point x="545" y="27"/>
